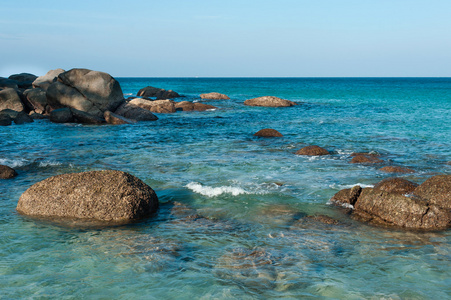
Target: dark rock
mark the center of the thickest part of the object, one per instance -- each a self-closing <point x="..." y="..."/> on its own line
<point x="61" y="115"/>
<point x="7" y="172"/>
<point x="9" y="112"/>
<point x="372" y="154"/>
<point x="269" y="101"/>
<point x="37" y="116"/>
<point x="190" y="106"/>
<point x="160" y="94"/>
<point x="437" y="190"/>
<point x="394" y="169"/>
<point x="24" y="80"/>
<point x="396" y="185"/>
<point x="85" y="90"/>
<point x="114" y="119"/>
<point x="9" y="99"/>
<point x="8" y="83"/>
<point x="268" y="132"/>
<point x="86" y="118"/>
<point x="347" y="196"/>
<point x="100" y="195"/>
<point x="36" y="100"/>
<point x="134" y="112"/>
<point x="22" y="118"/>
<point x="45" y="81"/>
<point x="214" y="96"/>
<point x="312" y="151"/>
<point x="5" y="120"/>
<point x="155" y="106"/>
<point x="365" y="159"/>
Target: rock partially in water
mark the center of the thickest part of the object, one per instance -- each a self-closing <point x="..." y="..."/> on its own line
<point x="7" y="172"/>
<point x="134" y="112"/>
<point x="436" y="190"/>
<point x="61" y="115"/>
<point x="160" y="94"/>
<point x="115" y="119"/>
<point x="268" y="132"/>
<point x="9" y="99"/>
<point x="314" y="221"/>
<point x="214" y="96"/>
<point x="395" y="169"/>
<point x="22" y="118"/>
<point x="86" y="118"/>
<point x="347" y="196"/>
<point x="5" y="120"/>
<point x="365" y="159"/>
<point x="113" y="196"/>
<point x="269" y="101"/>
<point x="190" y="106"/>
<point x="396" y="185"/>
<point x="312" y="151"/>
<point x="155" y="106"/>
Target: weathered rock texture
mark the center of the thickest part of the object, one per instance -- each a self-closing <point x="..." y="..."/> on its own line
<point x="9" y="99"/>
<point x="5" y="120"/>
<point x="24" y="80"/>
<point x="160" y="94"/>
<point x="364" y="158"/>
<point x="46" y="80"/>
<point x="156" y="106"/>
<point x="85" y="90"/>
<point x="100" y="195"/>
<point x="312" y="151"/>
<point x="114" y="119"/>
<point x="7" y="172"/>
<point x="61" y="115"/>
<point x="269" y="101"/>
<point x="428" y="207"/>
<point x="36" y="100"/>
<point x="394" y="169"/>
<point x="214" y="96"/>
<point x="268" y="132"/>
<point x="134" y="112"/>
<point x="190" y="106"/>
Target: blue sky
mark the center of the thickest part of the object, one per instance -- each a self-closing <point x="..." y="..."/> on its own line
<point x="171" y="38"/>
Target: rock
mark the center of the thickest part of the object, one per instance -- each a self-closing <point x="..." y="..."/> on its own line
<point x="269" y="101"/>
<point x="9" y="99"/>
<point x="9" y="112"/>
<point x="214" y="96"/>
<point x="396" y="185"/>
<point x="190" y="106"/>
<point x="36" y="100"/>
<point x="24" y="80"/>
<point x="312" y="151"/>
<point x="22" y="118"/>
<point x="89" y="91"/>
<point x="134" y="112"/>
<point x="394" y="169"/>
<point x="366" y="159"/>
<point x="268" y="132"/>
<point x="314" y="221"/>
<point x="160" y="94"/>
<point x="7" y="172"/>
<point x="5" y="120"/>
<point x="86" y="118"/>
<point x="347" y="196"/>
<point x="156" y="106"/>
<point x="114" y="119"/>
<point x="46" y="80"/>
<point x="100" y="195"/>
<point x="61" y="115"/>
<point x="437" y="190"/>
<point x="37" y="116"/>
<point x="8" y="83"/>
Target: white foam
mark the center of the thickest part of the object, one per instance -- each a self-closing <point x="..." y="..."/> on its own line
<point x="345" y="205"/>
<point x="49" y="163"/>
<point x="13" y="163"/>
<point x="349" y="186"/>
<point x="209" y="191"/>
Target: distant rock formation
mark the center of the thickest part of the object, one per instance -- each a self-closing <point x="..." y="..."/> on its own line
<point x="269" y="101"/>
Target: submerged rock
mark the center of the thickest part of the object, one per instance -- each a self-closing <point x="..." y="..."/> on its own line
<point x="312" y="151"/>
<point x="214" y="96"/>
<point x="394" y="169"/>
<point x="269" y="101"/>
<point x="7" y="172"/>
<point x="268" y="132"/>
<point x="100" y="195"/>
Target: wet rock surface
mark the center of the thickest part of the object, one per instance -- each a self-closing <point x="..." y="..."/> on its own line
<point x="268" y="132"/>
<point x="7" y="172"/>
<point x="312" y="151"/>
<point x="214" y="96"/>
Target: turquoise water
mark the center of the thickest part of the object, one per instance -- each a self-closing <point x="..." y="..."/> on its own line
<point x="250" y="238"/>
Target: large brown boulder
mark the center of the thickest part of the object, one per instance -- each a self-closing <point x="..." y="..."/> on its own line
<point x="99" y="195"/>
<point x="160" y="94"/>
<point x="9" y="99"/>
<point x="36" y="100"/>
<point x="269" y="101"/>
<point x="312" y="151"/>
<point x="190" y="106"/>
<point x="85" y="90"/>
<point x="7" y="172"/>
<point x="46" y="80"/>
<point x="437" y="190"/>
<point x="214" y="96"/>
<point x="155" y="106"/>
<point x="268" y="132"/>
<point x="396" y="185"/>
<point x="134" y="112"/>
<point x="366" y="159"/>
<point x="395" y="169"/>
<point x="347" y="196"/>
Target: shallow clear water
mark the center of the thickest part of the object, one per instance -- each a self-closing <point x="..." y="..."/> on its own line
<point x="250" y="238"/>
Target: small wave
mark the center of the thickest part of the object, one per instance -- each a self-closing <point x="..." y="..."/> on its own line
<point x="345" y="205"/>
<point x="49" y="163"/>
<point x="349" y="186"/>
<point x="215" y="191"/>
<point x="14" y="163"/>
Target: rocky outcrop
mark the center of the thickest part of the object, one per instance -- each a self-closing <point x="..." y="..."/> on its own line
<point x="114" y="119"/>
<point x="268" y="132"/>
<point x="428" y="207"/>
<point x="160" y="94"/>
<point x="99" y="195"/>
<point x="9" y="99"/>
<point x="46" y="80"/>
<point x="190" y="106"/>
<point x="214" y="96"/>
<point x="36" y="100"/>
<point x="155" y="106"/>
<point x="5" y="120"/>
<point x="7" y="172"/>
<point x="86" y="118"/>
<point x="394" y="169"/>
<point x="61" y="115"/>
<point x="312" y="151"/>
<point x="134" y="112"/>
<point x="22" y="118"/>
<point x="269" y="101"/>
<point x="8" y="83"/>
<point x="24" y="80"/>
<point x="89" y="91"/>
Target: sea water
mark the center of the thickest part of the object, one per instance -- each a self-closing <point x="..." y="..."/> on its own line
<point x="246" y="197"/>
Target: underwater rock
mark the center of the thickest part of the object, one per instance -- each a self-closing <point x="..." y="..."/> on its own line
<point x="312" y="151"/>
<point x="269" y="101"/>
<point x="7" y="172"/>
<point x="214" y="96"/>
<point x="100" y="195"/>
<point x="268" y="132"/>
<point x="394" y="169"/>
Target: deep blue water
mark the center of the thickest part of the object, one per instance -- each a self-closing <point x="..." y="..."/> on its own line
<point x="250" y="191"/>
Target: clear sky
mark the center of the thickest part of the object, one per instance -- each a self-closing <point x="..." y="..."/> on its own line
<point x="171" y="38"/>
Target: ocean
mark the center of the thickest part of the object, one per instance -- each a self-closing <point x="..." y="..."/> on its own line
<point x="232" y="222"/>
